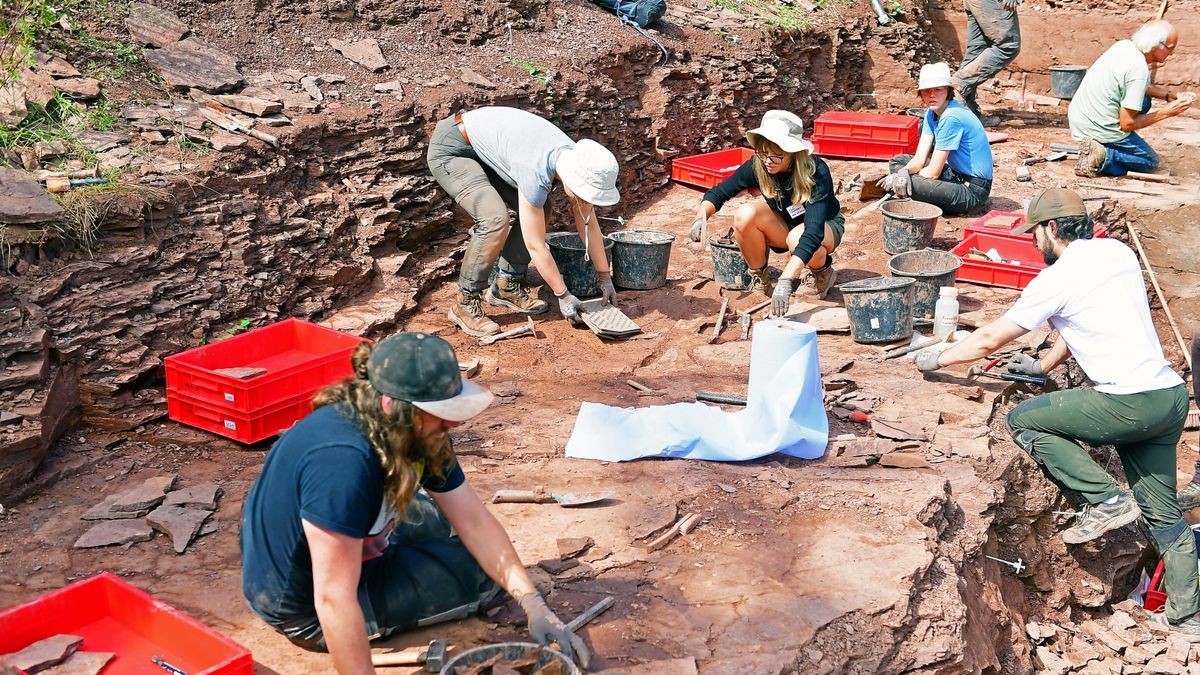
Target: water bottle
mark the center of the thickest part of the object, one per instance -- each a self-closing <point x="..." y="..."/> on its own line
<point x="945" y="312"/>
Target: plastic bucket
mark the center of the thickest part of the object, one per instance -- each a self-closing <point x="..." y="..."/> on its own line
<point x="640" y="258"/>
<point x="880" y="309"/>
<point x="510" y="651"/>
<point x="729" y="267"/>
<point x="908" y="225"/>
<point x="1064" y="80"/>
<point x="579" y="275"/>
<point x="932" y="269"/>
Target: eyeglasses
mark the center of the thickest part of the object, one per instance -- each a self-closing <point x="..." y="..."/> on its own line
<point x="769" y="158"/>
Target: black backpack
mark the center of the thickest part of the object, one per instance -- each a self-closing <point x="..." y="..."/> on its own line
<point x="641" y="13"/>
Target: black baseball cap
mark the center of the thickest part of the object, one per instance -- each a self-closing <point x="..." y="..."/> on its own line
<point x="422" y="369"/>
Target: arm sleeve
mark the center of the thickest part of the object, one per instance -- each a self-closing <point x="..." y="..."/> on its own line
<point x="949" y="134"/>
<point x="452" y="477"/>
<point x="1135" y="92"/>
<point x="339" y="490"/>
<point x="742" y="179"/>
<point x="1038" y="302"/>
<point x="816" y="212"/>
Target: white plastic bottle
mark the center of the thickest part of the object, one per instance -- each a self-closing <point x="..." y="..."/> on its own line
<point x="945" y="312"/>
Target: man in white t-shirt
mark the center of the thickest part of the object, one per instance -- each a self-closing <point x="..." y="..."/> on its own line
<point x="1113" y="102"/>
<point x="1092" y="293"/>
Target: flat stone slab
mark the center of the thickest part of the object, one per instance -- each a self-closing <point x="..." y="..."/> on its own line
<point x="53" y="65"/>
<point x="192" y="63"/>
<point x="149" y="494"/>
<point x="12" y="104"/>
<point x="202" y="496"/>
<point x="82" y="663"/>
<point x="115" y="532"/>
<point x="24" y="201"/>
<point x="85" y="88"/>
<point x="365" y="53"/>
<point x="250" y="104"/>
<point x="179" y="523"/>
<point x="44" y="653"/>
<point x="154" y="26"/>
<point x="104" y="511"/>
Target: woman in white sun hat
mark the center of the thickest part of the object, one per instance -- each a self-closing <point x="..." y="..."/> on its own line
<point x="361" y="523"/>
<point x="799" y="214"/>
<point x="952" y="168"/>
<point x="494" y="158"/>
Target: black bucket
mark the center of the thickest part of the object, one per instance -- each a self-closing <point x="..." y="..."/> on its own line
<point x="880" y="308"/>
<point x="640" y="258"/>
<point x="1065" y="80"/>
<point x="510" y="651"/>
<point x="932" y="269"/>
<point x="578" y="274"/>
<point x="729" y="267"/>
<point x="908" y="225"/>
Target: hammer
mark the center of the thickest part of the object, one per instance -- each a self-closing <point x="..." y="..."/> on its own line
<point x="433" y="656"/>
<point x="976" y="372"/>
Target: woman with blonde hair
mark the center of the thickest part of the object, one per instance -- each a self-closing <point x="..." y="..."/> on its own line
<point x="799" y="213"/>
<point x="338" y="545"/>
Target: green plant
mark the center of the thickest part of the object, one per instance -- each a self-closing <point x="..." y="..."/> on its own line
<point x="732" y="5"/>
<point x="894" y="8"/>
<point x="534" y="70"/>
<point x="86" y="208"/>
<point x="59" y="121"/>
<point x="820" y="4"/>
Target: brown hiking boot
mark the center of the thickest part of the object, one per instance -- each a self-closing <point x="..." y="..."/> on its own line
<point x="468" y="315"/>
<point x="1091" y="158"/>
<point x="509" y="291"/>
<point x="760" y="281"/>
<point x="823" y="280"/>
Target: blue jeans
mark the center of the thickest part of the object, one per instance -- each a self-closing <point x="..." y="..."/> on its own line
<point x="1130" y="153"/>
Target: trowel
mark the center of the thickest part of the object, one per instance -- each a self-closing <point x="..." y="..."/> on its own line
<point x="539" y="495"/>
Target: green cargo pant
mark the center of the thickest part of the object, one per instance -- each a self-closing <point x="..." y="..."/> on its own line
<point x="1144" y="428"/>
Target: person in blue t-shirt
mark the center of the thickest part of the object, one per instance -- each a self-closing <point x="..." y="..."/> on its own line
<point x="339" y="547"/>
<point x="952" y="168"/>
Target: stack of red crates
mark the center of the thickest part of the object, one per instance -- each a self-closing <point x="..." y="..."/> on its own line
<point x="708" y="169"/>
<point x="995" y="230"/>
<point x="860" y="135"/>
<point x="299" y="359"/>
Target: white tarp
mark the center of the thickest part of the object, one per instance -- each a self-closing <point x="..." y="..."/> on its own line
<point x="785" y="412"/>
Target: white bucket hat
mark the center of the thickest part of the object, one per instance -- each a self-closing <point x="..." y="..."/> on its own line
<point x="934" y="75"/>
<point x="590" y="171"/>
<point x="783" y="129"/>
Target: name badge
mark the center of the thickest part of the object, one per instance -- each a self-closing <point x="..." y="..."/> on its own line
<point x="795" y="210"/>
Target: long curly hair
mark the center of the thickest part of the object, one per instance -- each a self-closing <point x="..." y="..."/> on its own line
<point x="804" y="170"/>
<point x="403" y="454"/>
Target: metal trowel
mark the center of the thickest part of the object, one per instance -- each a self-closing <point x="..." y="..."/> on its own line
<point x="539" y="495"/>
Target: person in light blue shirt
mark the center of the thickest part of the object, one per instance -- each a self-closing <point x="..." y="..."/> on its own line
<point x="952" y="167"/>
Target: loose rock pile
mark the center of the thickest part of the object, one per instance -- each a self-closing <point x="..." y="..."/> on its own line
<point x="1130" y="642"/>
<point x="135" y="514"/>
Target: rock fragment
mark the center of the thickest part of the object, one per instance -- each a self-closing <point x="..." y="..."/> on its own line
<point x="23" y="200"/>
<point x="82" y="663"/>
<point x="84" y="88"/>
<point x="194" y="64"/>
<point x="203" y="496"/>
<point x="149" y="494"/>
<point x="43" y="654"/>
<point x="154" y="26"/>
<point x="573" y="547"/>
<point x="179" y="523"/>
<point x="251" y="105"/>
<point x="904" y="460"/>
<point x="365" y="53"/>
<point x="473" y="78"/>
<point x="115" y="532"/>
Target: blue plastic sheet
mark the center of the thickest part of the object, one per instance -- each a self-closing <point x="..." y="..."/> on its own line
<point x="785" y="412"/>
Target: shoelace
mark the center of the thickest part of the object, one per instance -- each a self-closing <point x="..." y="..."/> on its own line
<point x="474" y="305"/>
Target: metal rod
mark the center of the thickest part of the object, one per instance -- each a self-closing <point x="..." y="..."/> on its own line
<point x="591" y="613"/>
<point x="727" y="399"/>
<point x="1018" y="566"/>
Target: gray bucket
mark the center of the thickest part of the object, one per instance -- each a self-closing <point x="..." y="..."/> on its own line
<point x="1064" y="80"/>
<point x="908" y="225"/>
<point x="510" y="651"/>
<point x="578" y="274"/>
<point x="880" y="309"/>
<point x="640" y="258"/>
<point x="729" y="267"/>
<point x="932" y="269"/>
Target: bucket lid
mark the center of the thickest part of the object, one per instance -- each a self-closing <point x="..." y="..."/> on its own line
<point x="876" y="284"/>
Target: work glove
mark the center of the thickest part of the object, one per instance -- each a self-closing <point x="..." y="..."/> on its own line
<point x="927" y="359"/>
<point x="697" y="230"/>
<point x="1023" y="364"/>
<point x="781" y="299"/>
<point x="898" y="183"/>
<point x="545" y="628"/>
<point x="569" y="305"/>
<point x="607" y="292"/>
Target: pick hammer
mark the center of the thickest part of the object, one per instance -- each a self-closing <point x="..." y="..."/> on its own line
<point x="976" y="372"/>
<point x="432" y="656"/>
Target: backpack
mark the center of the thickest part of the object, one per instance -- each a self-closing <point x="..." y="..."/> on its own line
<point x="641" y="13"/>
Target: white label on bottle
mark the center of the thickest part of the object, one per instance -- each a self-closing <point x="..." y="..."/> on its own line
<point x="230" y="425"/>
<point x="229" y="396"/>
<point x="874" y="323"/>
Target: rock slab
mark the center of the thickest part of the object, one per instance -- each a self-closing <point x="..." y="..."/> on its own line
<point x="179" y="523"/>
<point x="23" y="201"/>
<point x="365" y="53"/>
<point x="82" y="663"/>
<point x="202" y="496"/>
<point x="115" y="532"/>
<point x="194" y="64"/>
<point x="44" y="653"/>
<point x="154" y="26"/>
<point x="149" y="494"/>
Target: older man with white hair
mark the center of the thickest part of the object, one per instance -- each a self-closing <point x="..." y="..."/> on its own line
<point x="1113" y="102"/>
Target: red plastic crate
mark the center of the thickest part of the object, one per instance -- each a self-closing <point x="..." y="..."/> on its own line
<point x="300" y="358"/>
<point x="243" y="427"/>
<point x="859" y="135"/>
<point x="710" y="168"/>
<point x="113" y="616"/>
<point x="981" y="225"/>
<point x="991" y="273"/>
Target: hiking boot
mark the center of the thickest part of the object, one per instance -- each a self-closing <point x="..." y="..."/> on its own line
<point x="816" y="283"/>
<point x="1091" y="158"/>
<point x="509" y="291"/>
<point x="1189" y="497"/>
<point x="468" y="315"/>
<point x="1187" y="630"/>
<point x="1096" y="519"/>
<point x="760" y="281"/>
